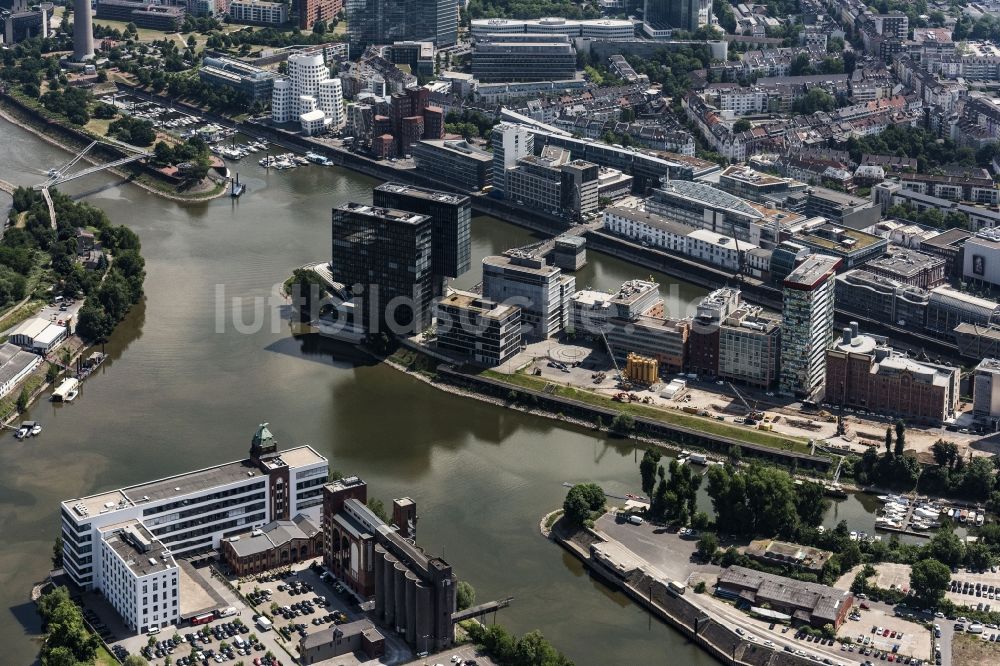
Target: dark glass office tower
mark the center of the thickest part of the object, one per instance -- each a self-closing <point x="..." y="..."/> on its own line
<point x="451" y="216"/>
<point x="388" y="253"/>
<point x="677" y="14"/>
<point x="387" y="21"/>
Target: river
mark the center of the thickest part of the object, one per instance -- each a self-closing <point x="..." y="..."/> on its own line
<point x="185" y="387"/>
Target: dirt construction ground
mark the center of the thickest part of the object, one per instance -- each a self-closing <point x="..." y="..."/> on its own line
<point x="578" y="362"/>
<point x="968" y="650"/>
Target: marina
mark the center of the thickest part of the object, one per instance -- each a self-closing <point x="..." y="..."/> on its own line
<point x="916" y="516"/>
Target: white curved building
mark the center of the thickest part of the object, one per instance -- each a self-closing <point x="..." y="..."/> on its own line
<point x="281" y="101"/>
<point x="306" y="92"/>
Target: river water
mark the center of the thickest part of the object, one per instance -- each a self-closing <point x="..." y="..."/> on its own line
<point x="187" y="382"/>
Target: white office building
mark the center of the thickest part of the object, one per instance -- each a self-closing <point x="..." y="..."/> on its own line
<point x="307" y="89"/>
<point x="541" y="291"/>
<point x="807" y="313"/>
<point x="282" y="107"/>
<point x="191" y="512"/>
<point x="510" y="143"/>
<point x="656" y="231"/>
<point x="140" y="577"/>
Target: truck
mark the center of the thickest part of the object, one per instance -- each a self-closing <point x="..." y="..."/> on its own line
<point x="676" y="587"/>
<point x="264" y="624"/>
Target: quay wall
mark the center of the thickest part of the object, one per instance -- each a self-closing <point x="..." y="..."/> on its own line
<point x="681" y="435"/>
<point x="652" y="594"/>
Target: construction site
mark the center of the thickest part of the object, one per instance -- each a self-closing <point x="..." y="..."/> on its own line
<point x="588" y="366"/>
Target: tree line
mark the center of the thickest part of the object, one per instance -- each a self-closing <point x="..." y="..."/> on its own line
<point x="504" y="648"/>
<point x="67" y="640"/>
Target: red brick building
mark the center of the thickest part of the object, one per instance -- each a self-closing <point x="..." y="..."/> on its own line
<point x="279" y="543"/>
<point x="862" y="372"/>
<point x="433" y="122"/>
<point x="384" y="146"/>
<point x="411" y="131"/>
<point x="311" y="11"/>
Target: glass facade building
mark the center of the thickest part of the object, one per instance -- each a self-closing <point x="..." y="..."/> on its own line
<point x="384" y="255"/>
<point x="387" y="21"/>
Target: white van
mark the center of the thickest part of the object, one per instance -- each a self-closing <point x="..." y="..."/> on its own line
<point x="264" y="624"/>
<point x="635" y="520"/>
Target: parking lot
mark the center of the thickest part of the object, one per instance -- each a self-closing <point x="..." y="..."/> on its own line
<point x="61" y="312"/>
<point x="203" y="594"/>
<point x="882" y="632"/>
<point x="300" y="602"/>
<point x="668" y="552"/>
<point x="972" y="589"/>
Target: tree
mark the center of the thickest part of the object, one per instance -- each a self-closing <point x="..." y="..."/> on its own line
<point x="57" y="552"/>
<point x="946" y="547"/>
<point x="94" y="323"/>
<point x="945" y="453"/>
<point x="22" y="399"/>
<point x="647" y="468"/>
<point x="378" y="508"/>
<point x="811" y="503"/>
<point x="900" y="437"/>
<point x="135" y="660"/>
<point x="622" y="424"/>
<point x="978" y="556"/>
<point x="465" y="595"/>
<point x="708" y="544"/>
<point x="888" y="441"/>
<point x="977" y="478"/>
<point x="928" y="581"/>
<point x="581" y="501"/>
<point x="742" y="125"/>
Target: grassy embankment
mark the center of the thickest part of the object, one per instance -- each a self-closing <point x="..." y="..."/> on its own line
<point x="669" y="416"/>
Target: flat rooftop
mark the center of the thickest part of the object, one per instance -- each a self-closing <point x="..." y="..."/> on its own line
<point x="904" y="262"/>
<point x="143" y="553"/>
<point x="380" y="213"/>
<point x="181" y="485"/>
<point x="815" y="269"/>
<point x="470" y="301"/>
<point x="512" y="263"/>
<point x="422" y="193"/>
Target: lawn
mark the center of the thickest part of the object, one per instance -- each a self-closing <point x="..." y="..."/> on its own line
<point x="104" y="658"/>
<point x="674" y="417"/>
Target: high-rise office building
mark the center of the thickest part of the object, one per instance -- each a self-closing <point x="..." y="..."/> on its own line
<point x="387" y="21"/>
<point x="807" y="313"/>
<point x="385" y="255"/>
<point x="510" y="143"/>
<point x="542" y="292"/>
<point x="83" y="31"/>
<point x="451" y="222"/>
<point x="503" y="58"/>
<point x="677" y="14"/>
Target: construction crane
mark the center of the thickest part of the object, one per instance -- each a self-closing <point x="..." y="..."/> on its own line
<point x="621" y="376"/>
<point x="752" y="414"/>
